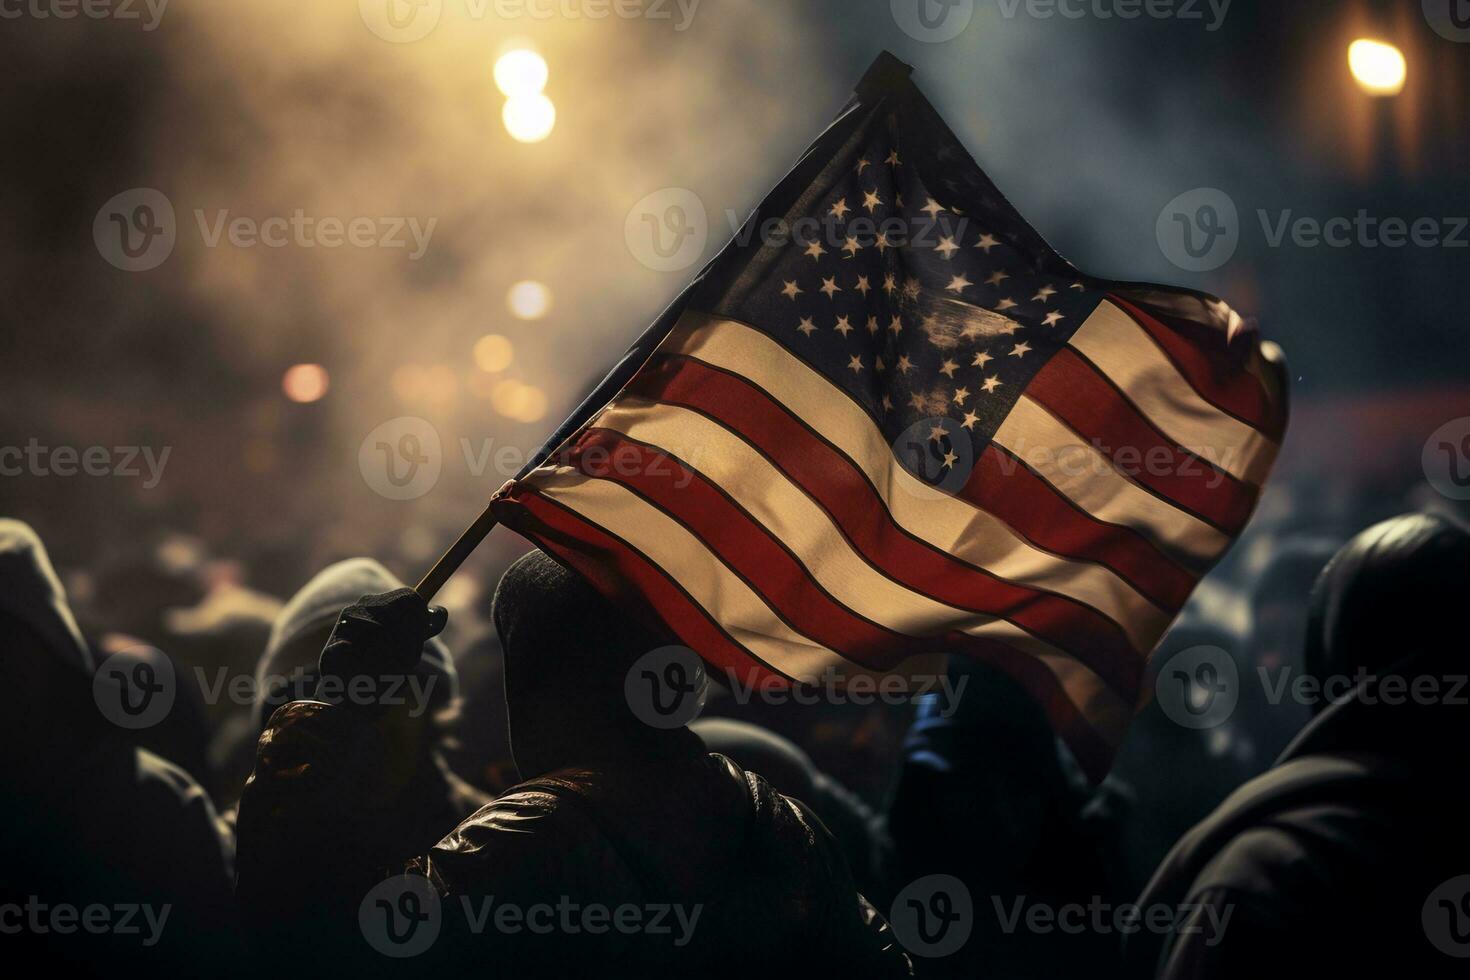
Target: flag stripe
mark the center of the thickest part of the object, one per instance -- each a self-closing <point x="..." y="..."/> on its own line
<point x="744" y="614"/>
<point x="1078" y="471"/>
<point x="591" y="549"/>
<point x="944" y="522"/>
<point x="860" y="559"/>
<point x="1237" y="393"/>
<point x="1124" y="352"/>
<point x="1072" y="390"/>
<point x="825" y="601"/>
<point x="1007" y="487"/>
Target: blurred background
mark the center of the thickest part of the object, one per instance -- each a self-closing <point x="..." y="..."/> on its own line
<point x="491" y="159"/>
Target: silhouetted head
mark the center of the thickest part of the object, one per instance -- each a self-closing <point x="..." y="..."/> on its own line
<point x="1393" y="592"/>
<point x="568" y="651"/>
<point x="287" y="670"/>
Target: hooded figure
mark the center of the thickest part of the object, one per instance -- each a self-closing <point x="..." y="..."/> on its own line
<point x="626" y="849"/>
<point x="1350" y="855"/>
<point x="90" y="821"/>
<point x="433" y="799"/>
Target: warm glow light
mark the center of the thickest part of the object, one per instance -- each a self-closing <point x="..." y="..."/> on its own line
<point x="520" y="73"/>
<point x="1380" y="68"/>
<point x="305" y="382"/>
<point x="528" y="299"/>
<point x="522" y="402"/>
<point x="529" y="118"/>
<point x="493" y="353"/>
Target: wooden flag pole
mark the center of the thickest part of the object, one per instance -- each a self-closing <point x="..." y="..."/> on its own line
<point x="450" y="561"/>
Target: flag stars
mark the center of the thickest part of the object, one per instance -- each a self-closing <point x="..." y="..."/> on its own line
<point x="991" y="383"/>
<point x="960" y="395"/>
<point x="970" y="419"/>
<point x="871" y="200"/>
<point x="896" y="324"/>
<point x="981" y="359"/>
<point x="1052" y="319"/>
<point x="932" y="208"/>
<point x="806" y="327"/>
<point x="959" y="284"/>
<point x="892" y="159"/>
<point x="840" y="209"/>
<point x="946" y="246"/>
<point x="851" y="246"/>
<point x="855" y="364"/>
<point x="948" y="368"/>
<point x="887" y="404"/>
<point x="830" y="287"/>
<point x="917" y="401"/>
<point x="1006" y="304"/>
<point x="911" y="288"/>
<point x="1044" y="294"/>
<point x="843" y="326"/>
<point x="950" y="458"/>
<point x="937" y="433"/>
<point x="1021" y="349"/>
<point x="889" y="284"/>
<point x="904" y="364"/>
<point x="863" y="164"/>
<point x="862" y="285"/>
<point x="997" y="277"/>
<point x="872" y="324"/>
<point x="815" y="250"/>
<point x="986" y="243"/>
<point x="1078" y="285"/>
<point x="791" y="290"/>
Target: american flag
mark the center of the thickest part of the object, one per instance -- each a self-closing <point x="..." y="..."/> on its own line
<point x="894" y="421"/>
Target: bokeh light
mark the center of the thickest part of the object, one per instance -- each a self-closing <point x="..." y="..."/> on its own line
<point x="494" y="353"/>
<point x="529" y="118"/>
<point x="529" y="299"/>
<point x="520" y="73"/>
<point x="305" y="383"/>
<point x="1378" y="67"/>
<point x="518" y="401"/>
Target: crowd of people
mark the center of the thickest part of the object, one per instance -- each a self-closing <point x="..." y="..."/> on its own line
<point x="354" y="780"/>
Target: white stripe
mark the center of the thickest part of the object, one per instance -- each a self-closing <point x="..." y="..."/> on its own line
<point x="1124" y="352"/>
<point x="1086" y="477"/>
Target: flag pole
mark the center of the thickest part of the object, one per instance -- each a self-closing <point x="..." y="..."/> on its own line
<point x="450" y="561"/>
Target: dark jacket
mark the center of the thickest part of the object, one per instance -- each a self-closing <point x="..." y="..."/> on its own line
<point x="747" y="879"/>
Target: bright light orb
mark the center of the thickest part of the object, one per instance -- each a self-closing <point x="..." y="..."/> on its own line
<point x="528" y="299"/>
<point x="1378" y="67"/>
<point x="520" y="73"/>
<point x="493" y="353"/>
<point x="529" y="118"/>
<point x="304" y="383"/>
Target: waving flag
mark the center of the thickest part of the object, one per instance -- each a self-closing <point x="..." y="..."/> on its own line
<point x="893" y="421"/>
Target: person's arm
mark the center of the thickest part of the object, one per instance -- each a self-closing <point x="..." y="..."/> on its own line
<point x="314" y="829"/>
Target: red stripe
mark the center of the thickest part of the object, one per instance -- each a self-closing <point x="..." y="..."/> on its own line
<point x="1003" y="485"/>
<point x="1226" y="385"/>
<point x="611" y="566"/>
<point x="1073" y="390"/>
<point x="845" y="493"/>
<point x="623" y="575"/>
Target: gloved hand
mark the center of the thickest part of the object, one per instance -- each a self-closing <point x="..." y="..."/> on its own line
<point x="377" y="637"/>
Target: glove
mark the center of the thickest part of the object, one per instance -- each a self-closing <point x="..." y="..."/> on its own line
<point x="376" y="637"/>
